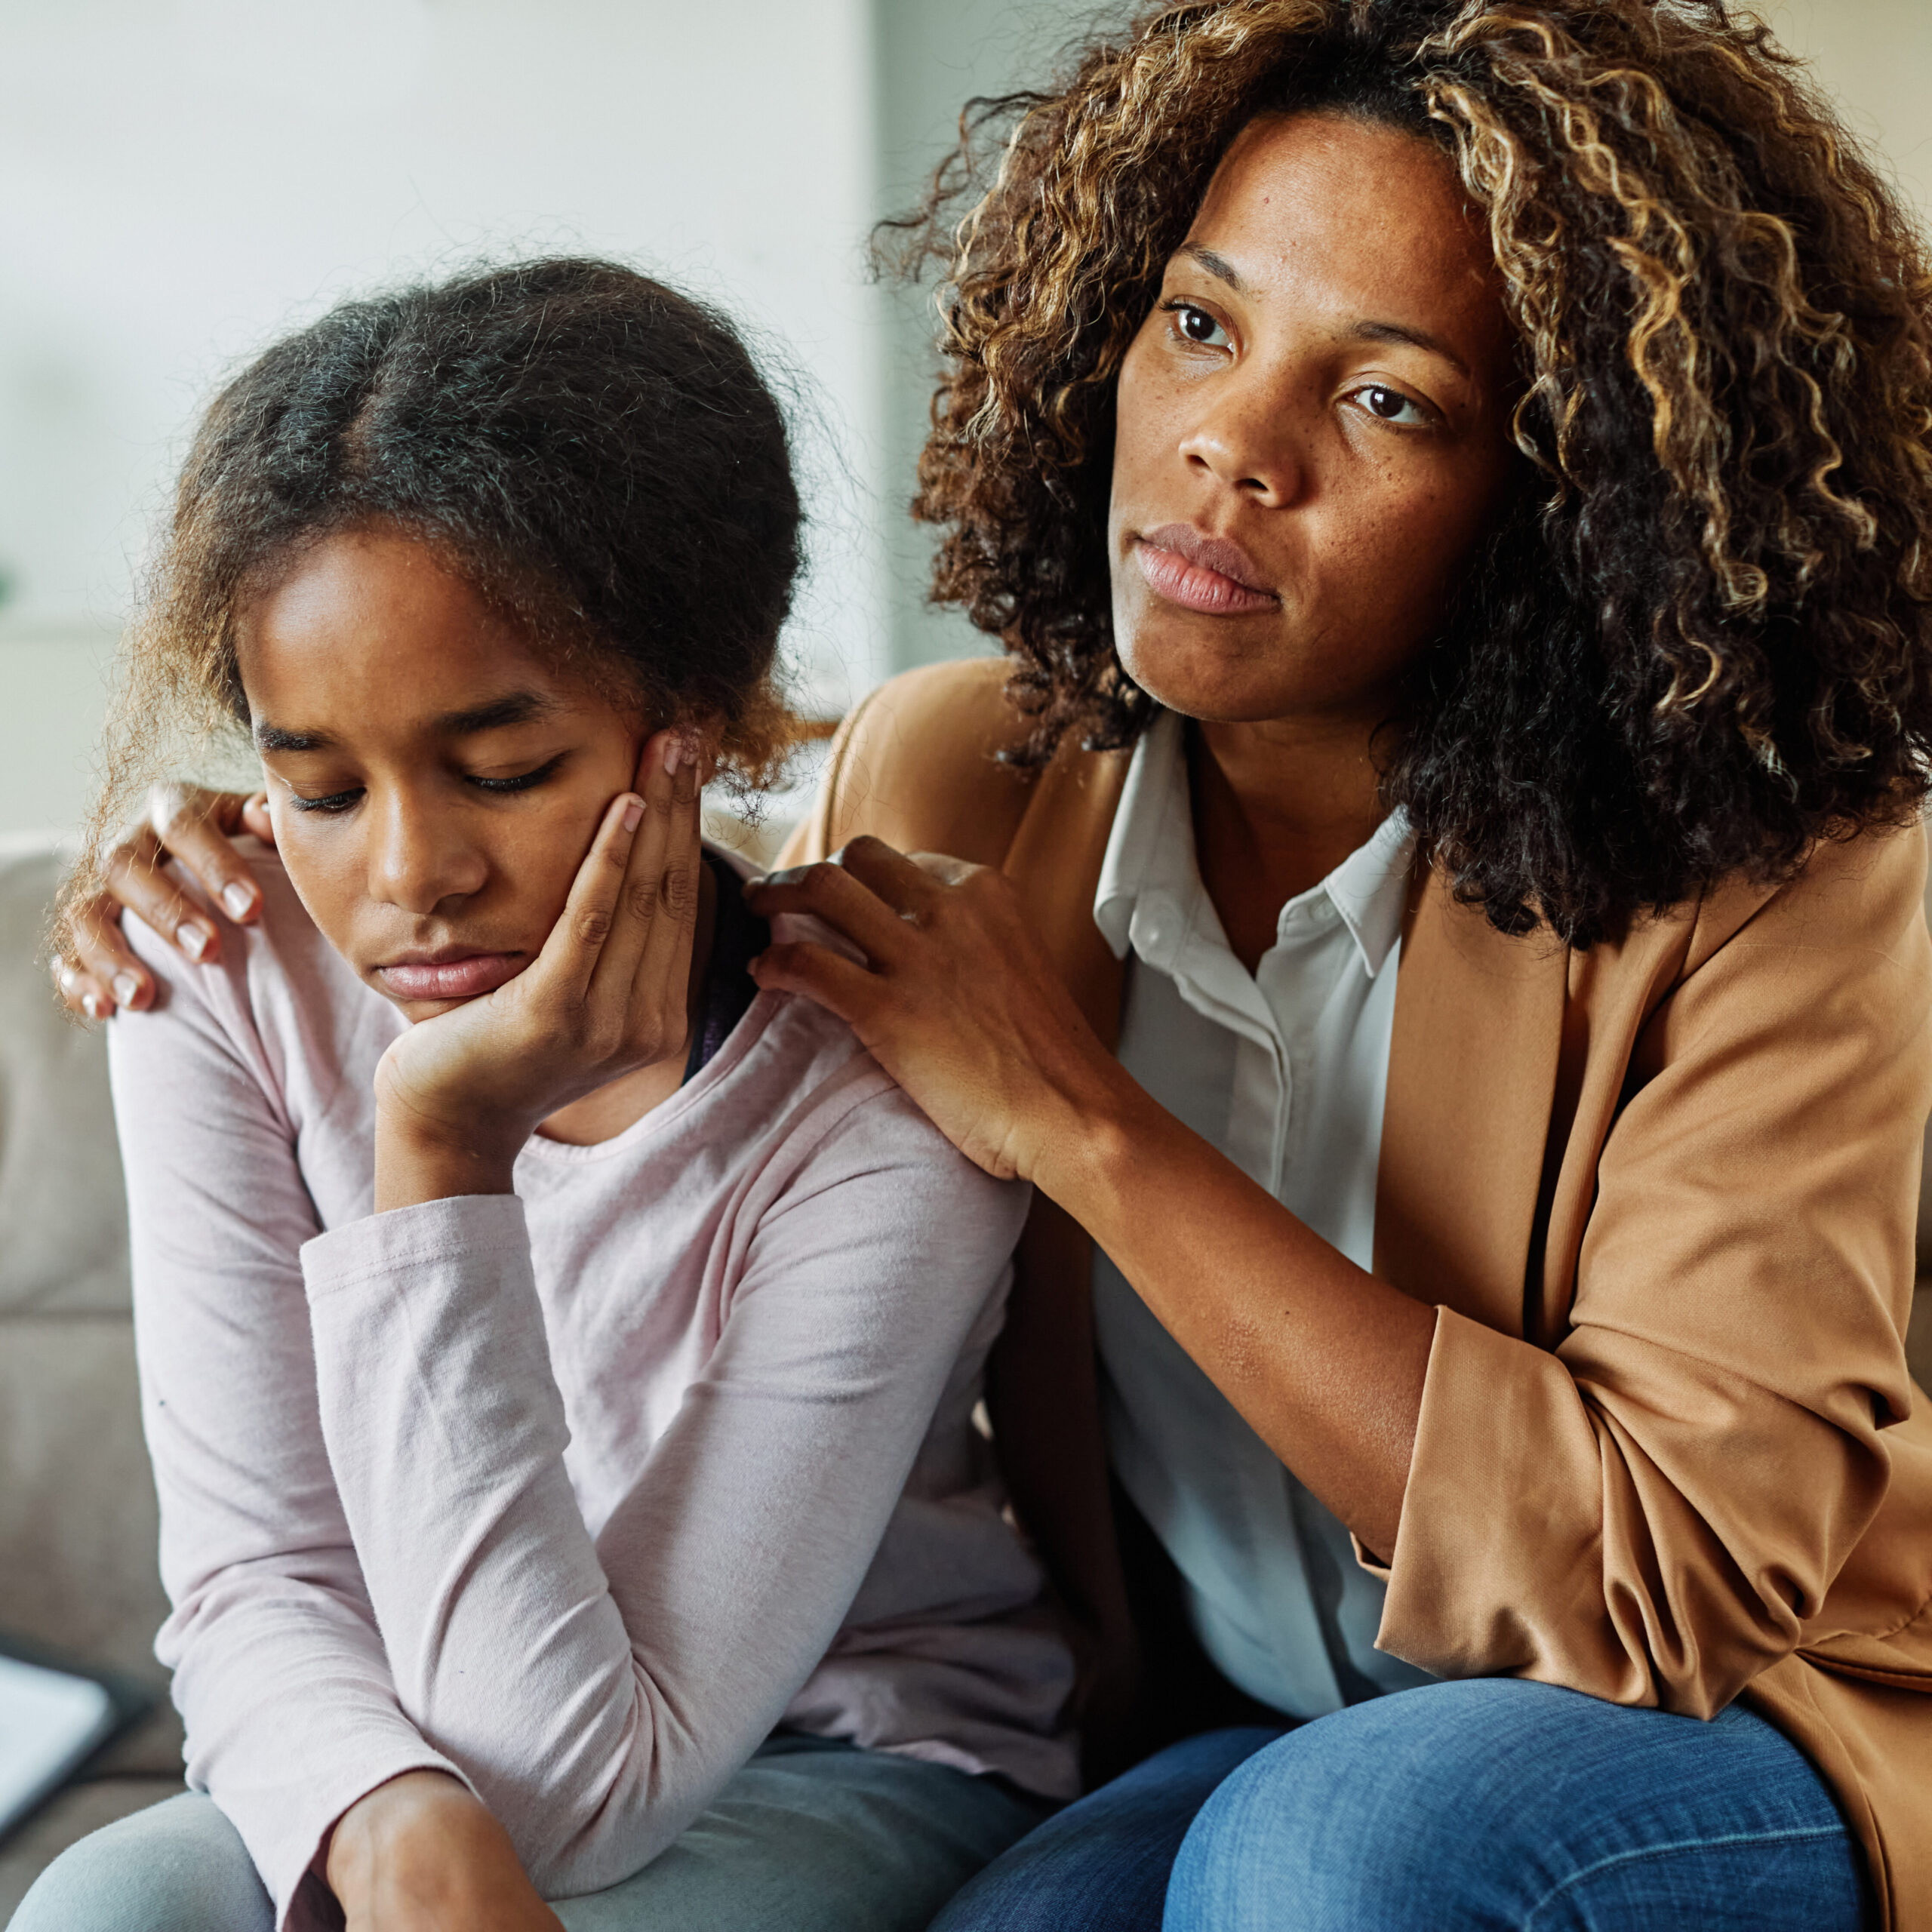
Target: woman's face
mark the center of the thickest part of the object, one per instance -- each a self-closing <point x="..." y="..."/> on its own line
<point x="1312" y="428"/>
<point x="434" y="784"/>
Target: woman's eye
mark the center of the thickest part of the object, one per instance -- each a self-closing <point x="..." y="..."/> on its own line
<point x="523" y="781"/>
<point x="332" y="802"/>
<point x="1196" y="325"/>
<point x="1388" y="405"/>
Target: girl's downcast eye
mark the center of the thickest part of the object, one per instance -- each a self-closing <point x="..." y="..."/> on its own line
<point x="332" y="802"/>
<point x="523" y="781"/>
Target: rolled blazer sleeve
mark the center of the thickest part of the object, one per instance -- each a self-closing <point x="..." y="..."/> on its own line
<point x="1654" y="1512"/>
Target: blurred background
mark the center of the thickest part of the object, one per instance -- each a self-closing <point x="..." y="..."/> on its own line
<point x="180" y="179"/>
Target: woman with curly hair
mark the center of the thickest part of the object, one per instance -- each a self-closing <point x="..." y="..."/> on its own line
<point x="1432" y="899"/>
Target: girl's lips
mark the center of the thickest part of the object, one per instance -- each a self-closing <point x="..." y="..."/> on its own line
<point x="451" y="979"/>
<point x="1194" y="586"/>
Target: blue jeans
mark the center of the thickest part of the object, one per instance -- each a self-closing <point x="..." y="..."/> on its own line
<point x="1490" y="1806"/>
<point x="811" y="1836"/>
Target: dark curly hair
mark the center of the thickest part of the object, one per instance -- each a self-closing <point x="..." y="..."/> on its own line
<point x="1701" y="644"/>
<point x="596" y="453"/>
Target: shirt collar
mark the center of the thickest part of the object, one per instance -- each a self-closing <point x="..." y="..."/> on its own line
<point x="1150" y="849"/>
<point x="1151" y="842"/>
<point x="1370" y="888"/>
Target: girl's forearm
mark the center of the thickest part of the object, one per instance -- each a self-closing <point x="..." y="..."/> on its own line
<point x="1324" y="1362"/>
<point x="421" y="1854"/>
<point x="416" y="1162"/>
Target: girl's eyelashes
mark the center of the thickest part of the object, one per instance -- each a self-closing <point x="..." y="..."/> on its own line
<point x="332" y="802"/>
<point x="1193" y="324"/>
<point x="523" y="781"/>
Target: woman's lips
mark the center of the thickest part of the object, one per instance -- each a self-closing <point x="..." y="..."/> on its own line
<point x="1179" y="565"/>
<point x="463" y="977"/>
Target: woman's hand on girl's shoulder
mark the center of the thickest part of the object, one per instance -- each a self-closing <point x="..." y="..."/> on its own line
<point x="459" y="1094"/>
<point x="421" y="1854"/>
<point x="957" y="1000"/>
<point x="95" y="970"/>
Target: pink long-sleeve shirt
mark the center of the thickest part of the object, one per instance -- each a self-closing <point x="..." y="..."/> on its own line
<point x="577" y="1493"/>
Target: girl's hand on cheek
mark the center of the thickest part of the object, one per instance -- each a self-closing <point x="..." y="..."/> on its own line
<point x="957" y="1001"/>
<point x="458" y="1095"/>
<point x="421" y="1854"/>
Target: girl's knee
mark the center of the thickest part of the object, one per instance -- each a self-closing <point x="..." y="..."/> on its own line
<point x="178" y="1866"/>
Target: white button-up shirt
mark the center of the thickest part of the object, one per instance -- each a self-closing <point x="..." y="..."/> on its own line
<point x="1284" y="1071"/>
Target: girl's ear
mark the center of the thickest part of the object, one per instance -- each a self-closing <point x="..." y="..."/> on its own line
<point x="696" y="738"/>
<point x="704" y="732"/>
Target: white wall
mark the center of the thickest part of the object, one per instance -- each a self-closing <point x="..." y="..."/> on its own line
<point x="179" y="179"/>
<point x="930" y="56"/>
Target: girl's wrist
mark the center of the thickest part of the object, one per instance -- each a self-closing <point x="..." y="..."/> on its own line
<point x="404" y="1828"/>
<point x="418" y="1160"/>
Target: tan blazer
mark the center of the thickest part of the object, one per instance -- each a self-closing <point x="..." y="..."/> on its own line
<point x="1661" y="1194"/>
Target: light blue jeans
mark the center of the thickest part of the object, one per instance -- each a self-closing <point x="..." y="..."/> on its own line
<point x="811" y="1836"/>
<point x="1490" y="1806"/>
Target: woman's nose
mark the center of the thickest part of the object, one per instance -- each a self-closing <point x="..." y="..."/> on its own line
<point x="421" y="858"/>
<point x="1248" y="439"/>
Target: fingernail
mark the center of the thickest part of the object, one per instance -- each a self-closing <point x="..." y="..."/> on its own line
<point x="191" y="939"/>
<point x="238" y="898"/>
<point x="753" y="884"/>
<point x="674" y="756"/>
<point x="126" y="986"/>
<point x="90" y="1005"/>
<point x="67" y="976"/>
<point x="633" y="811"/>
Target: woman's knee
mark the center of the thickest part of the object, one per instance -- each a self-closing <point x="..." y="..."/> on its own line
<point x="1464" y="1804"/>
<point x="1325" y="1827"/>
<point x="178" y="1866"/>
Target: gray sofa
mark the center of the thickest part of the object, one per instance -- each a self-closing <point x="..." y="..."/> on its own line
<point x="77" y="1509"/>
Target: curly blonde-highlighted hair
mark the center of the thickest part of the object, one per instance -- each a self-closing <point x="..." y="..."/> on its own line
<point x="1700" y="643"/>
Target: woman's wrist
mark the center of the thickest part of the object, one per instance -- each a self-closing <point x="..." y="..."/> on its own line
<point x="1087" y="1134"/>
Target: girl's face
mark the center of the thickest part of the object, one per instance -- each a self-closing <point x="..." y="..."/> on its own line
<point x="1311" y="429"/>
<point x="434" y="784"/>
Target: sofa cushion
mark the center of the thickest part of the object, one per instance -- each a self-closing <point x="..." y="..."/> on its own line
<point x="61" y="1201"/>
<point x="78" y="1521"/>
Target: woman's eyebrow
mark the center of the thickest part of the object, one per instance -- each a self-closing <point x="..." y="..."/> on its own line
<point x="1219" y="266"/>
<point x="1367" y="331"/>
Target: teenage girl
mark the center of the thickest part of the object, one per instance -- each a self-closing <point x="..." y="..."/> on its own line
<point x="558" y="1358"/>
